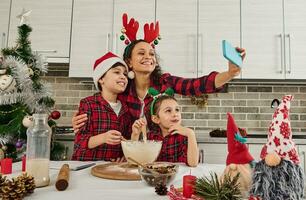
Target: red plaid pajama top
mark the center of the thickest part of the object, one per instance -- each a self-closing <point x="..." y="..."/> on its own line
<point x="101" y="118"/>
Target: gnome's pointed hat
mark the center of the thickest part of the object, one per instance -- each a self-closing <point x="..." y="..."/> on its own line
<point x="238" y="152"/>
<point x="280" y="134"/>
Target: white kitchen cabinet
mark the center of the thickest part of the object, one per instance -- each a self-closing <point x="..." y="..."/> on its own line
<point x="273" y="32"/>
<point x="178" y="30"/>
<point x="4" y="22"/>
<point x="214" y="153"/>
<point x="218" y="20"/>
<point x="91" y="34"/>
<point x="51" y="23"/>
<point x="141" y="10"/>
<point x="294" y="39"/>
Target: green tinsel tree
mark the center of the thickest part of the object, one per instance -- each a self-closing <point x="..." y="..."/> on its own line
<point x="21" y="92"/>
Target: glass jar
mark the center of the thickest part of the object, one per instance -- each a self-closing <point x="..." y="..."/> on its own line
<point x="38" y="150"/>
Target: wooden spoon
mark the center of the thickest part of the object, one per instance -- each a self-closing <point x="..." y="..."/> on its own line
<point x="143" y="166"/>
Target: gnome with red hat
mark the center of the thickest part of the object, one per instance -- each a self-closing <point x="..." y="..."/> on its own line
<point x="278" y="175"/>
<point x="239" y="160"/>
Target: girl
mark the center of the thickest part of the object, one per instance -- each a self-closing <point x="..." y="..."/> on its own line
<point x="179" y="142"/>
<point x="108" y="117"/>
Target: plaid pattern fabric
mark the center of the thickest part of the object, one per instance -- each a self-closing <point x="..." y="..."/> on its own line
<point x="101" y="118"/>
<point x="174" y="148"/>
<point x="183" y="86"/>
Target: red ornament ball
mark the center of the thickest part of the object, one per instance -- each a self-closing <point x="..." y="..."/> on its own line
<point x="127" y="42"/>
<point x="55" y="114"/>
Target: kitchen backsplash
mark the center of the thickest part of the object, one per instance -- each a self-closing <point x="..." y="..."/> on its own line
<point x="250" y="102"/>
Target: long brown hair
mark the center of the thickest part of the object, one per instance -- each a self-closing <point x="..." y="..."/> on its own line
<point x="127" y="55"/>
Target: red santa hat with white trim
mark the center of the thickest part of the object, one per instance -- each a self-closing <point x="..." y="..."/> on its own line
<point x="280" y="134"/>
<point x="103" y="64"/>
<point x="238" y="152"/>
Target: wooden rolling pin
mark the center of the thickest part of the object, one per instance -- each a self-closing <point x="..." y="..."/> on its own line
<point x="62" y="181"/>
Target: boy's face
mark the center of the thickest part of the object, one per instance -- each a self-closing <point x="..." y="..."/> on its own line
<point x="114" y="80"/>
<point x="169" y="114"/>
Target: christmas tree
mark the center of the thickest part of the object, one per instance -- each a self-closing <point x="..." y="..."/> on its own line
<point x="22" y="92"/>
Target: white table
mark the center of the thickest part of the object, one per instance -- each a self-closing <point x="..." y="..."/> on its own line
<point x="83" y="185"/>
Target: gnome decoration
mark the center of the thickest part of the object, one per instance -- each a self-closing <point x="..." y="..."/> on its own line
<point x="278" y="175"/>
<point x="239" y="160"/>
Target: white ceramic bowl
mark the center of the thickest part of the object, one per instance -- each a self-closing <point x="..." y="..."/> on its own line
<point x="143" y="152"/>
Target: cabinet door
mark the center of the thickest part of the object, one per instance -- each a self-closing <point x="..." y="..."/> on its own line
<point x="141" y="10"/>
<point x="218" y="20"/>
<point x="214" y="153"/>
<point x="262" y="37"/>
<point x="4" y="22"/>
<point x="295" y="39"/>
<point x="91" y="35"/>
<point x="51" y="23"/>
<point x="178" y="30"/>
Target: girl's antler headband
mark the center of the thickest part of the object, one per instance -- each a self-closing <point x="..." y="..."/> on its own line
<point x="156" y="94"/>
<point x="151" y="32"/>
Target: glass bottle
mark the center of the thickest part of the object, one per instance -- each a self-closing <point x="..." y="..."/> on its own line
<point x="38" y="150"/>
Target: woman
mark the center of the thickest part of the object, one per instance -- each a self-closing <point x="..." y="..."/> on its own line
<point x="141" y="59"/>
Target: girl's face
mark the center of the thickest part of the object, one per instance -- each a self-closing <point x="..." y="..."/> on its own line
<point x="114" y="80"/>
<point x="143" y="58"/>
<point x="168" y="114"/>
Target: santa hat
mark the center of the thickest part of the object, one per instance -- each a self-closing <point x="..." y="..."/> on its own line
<point x="238" y="152"/>
<point x="103" y="64"/>
<point x="280" y="135"/>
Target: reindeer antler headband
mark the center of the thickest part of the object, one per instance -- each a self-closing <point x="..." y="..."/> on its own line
<point x="156" y="94"/>
<point x="151" y="32"/>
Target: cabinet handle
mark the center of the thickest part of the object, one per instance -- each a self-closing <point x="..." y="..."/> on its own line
<point x="107" y="42"/>
<point x="281" y="44"/>
<point x="303" y="154"/>
<point x="116" y="43"/>
<point x="45" y="51"/>
<point x="201" y="156"/>
<point x="3" y="41"/>
<point x="289" y="46"/>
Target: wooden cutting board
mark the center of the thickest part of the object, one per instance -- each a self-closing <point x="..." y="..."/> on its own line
<point x="116" y="171"/>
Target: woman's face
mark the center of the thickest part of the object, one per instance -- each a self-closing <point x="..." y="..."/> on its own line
<point x="143" y="58"/>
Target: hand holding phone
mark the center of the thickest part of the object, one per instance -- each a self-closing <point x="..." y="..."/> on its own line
<point x="231" y="54"/>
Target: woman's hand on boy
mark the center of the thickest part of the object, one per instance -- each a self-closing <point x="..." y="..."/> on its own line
<point x="78" y="121"/>
<point x="112" y="137"/>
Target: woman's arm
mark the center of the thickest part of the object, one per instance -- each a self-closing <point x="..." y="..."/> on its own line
<point x="233" y="70"/>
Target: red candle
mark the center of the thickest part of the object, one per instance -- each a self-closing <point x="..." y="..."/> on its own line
<point x="188" y="184"/>
<point x="6" y="165"/>
<point x="23" y="163"/>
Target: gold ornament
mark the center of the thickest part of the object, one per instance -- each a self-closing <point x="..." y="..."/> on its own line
<point x="200" y="101"/>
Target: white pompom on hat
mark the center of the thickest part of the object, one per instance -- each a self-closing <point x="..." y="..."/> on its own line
<point x="103" y="64"/>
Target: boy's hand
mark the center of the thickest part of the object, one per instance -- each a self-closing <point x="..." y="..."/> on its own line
<point x="179" y="129"/>
<point x="78" y="121"/>
<point x="138" y="124"/>
<point x="112" y="137"/>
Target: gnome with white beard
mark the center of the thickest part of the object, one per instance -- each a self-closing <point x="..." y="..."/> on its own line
<point x="278" y="176"/>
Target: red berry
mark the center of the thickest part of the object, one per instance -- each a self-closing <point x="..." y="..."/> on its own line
<point x="55" y="114"/>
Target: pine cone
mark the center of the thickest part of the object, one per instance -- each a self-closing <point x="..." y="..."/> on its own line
<point x="2" y="183"/>
<point x="13" y="190"/>
<point x="28" y="181"/>
<point x="161" y="189"/>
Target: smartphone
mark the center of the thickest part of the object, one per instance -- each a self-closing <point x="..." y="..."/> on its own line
<point x="230" y="53"/>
